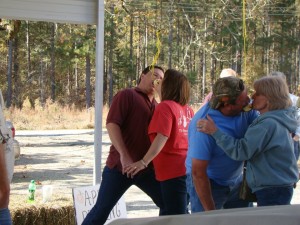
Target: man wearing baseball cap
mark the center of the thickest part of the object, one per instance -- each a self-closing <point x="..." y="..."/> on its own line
<point x="213" y="179"/>
<point x="228" y="72"/>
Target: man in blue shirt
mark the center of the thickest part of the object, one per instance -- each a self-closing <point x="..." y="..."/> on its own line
<point x="213" y="179"/>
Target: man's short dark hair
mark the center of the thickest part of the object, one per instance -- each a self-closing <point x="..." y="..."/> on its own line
<point x="149" y="68"/>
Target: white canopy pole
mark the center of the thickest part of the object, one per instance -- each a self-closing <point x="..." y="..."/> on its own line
<point x="99" y="93"/>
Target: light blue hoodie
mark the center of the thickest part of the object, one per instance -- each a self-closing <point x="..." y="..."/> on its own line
<point x="268" y="147"/>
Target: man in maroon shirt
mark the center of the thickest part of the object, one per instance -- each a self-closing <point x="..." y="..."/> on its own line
<point x="127" y="125"/>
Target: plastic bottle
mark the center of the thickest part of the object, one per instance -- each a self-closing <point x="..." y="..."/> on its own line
<point x="31" y="191"/>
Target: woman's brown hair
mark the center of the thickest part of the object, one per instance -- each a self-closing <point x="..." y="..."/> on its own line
<point x="176" y="87"/>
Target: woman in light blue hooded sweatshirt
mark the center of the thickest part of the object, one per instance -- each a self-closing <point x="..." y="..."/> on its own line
<point x="267" y="145"/>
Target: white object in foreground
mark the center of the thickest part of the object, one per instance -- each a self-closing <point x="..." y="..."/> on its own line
<point x="47" y="193"/>
<point x="85" y="198"/>
<point x="270" y="215"/>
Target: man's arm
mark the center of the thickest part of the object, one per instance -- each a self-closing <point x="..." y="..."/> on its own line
<point x="202" y="183"/>
<point x="4" y="183"/>
<point x="115" y="135"/>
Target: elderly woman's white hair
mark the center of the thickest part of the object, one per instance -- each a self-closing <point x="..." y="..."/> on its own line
<point x="228" y="73"/>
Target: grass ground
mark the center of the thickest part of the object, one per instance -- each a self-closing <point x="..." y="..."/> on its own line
<point x="55" y="117"/>
<point x="52" y="117"/>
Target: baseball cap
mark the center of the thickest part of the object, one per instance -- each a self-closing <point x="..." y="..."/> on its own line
<point x="226" y="90"/>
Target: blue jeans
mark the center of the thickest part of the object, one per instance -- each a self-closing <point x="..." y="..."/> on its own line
<point x="5" y="218"/>
<point x="174" y="195"/>
<point x="274" y="196"/>
<point x="224" y="197"/>
<point x="113" y="185"/>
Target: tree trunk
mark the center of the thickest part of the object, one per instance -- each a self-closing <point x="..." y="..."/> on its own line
<point x="131" y="45"/>
<point x="88" y="73"/>
<point x="76" y="78"/>
<point x="178" y="41"/>
<point x="52" y="72"/>
<point x="170" y="38"/>
<point x="111" y="48"/>
<point x="28" y="50"/>
<point x="212" y="69"/>
<point x="42" y="88"/>
<point x="145" y="44"/>
<point x="204" y="61"/>
<point x="16" y="76"/>
<point x="68" y="83"/>
<point x="268" y="48"/>
<point x="105" y="76"/>
<point x="29" y="75"/>
<point x="88" y="80"/>
<point x="9" y="75"/>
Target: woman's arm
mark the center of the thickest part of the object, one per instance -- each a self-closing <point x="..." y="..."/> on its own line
<point x="156" y="146"/>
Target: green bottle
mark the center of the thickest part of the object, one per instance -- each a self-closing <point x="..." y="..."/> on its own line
<point x="31" y="191"/>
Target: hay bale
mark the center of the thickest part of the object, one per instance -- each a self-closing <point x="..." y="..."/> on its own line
<point x="32" y="215"/>
<point x="58" y="211"/>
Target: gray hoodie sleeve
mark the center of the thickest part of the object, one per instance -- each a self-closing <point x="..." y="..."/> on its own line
<point x="245" y="148"/>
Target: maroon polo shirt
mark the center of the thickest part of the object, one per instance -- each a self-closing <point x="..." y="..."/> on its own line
<point x="132" y="110"/>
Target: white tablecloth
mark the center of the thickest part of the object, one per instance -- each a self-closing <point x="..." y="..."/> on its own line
<point x="271" y="215"/>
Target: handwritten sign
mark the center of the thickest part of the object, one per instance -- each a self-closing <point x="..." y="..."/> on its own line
<point x="84" y="200"/>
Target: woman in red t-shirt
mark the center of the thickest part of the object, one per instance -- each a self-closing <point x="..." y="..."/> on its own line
<point x="168" y="134"/>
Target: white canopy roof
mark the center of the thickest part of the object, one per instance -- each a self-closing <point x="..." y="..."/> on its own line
<point x="76" y="12"/>
<point x="59" y="11"/>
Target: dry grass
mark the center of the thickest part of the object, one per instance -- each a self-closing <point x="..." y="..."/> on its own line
<point x="55" y="117"/>
<point x="52" y="117"/>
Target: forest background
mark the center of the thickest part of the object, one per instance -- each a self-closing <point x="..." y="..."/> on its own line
<point x="48" y="69"/>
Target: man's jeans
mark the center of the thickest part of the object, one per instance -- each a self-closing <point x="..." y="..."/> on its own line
<point x="224" y="197"/>
<point x="5" y="218"/>
<point x="113" y="185"/>
<point x="274" y="196"/>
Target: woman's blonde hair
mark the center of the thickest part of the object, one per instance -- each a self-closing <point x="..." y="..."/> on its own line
<point x="276" y="91"/>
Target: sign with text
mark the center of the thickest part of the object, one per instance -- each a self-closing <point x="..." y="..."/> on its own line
<point x="85" y="198"/>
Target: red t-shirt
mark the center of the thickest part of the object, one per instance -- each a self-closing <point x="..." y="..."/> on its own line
<point x="171" y="119"/>
<point x="132" y="110"/>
